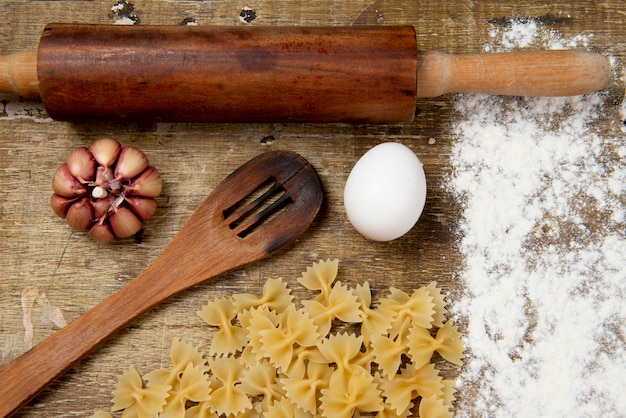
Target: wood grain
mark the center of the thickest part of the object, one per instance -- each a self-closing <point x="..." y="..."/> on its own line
<point x="524" y="73"/>
<point x="364" y="74"/>
<point x="37" y="249"/>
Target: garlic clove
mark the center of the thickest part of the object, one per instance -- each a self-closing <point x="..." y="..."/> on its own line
<point x="105" y="151"/>
<point x="101" y="207"/>
<point x="147" y="184"/>
<point x="130" y="163"/>
<point x="143" y="207"/>
<point x="80" y="215"/>
<point x="60" y="205"/>
<point x="101" y="178"/>
<point x="65" y="184"/>
<point x="82" y="165"/>
<point x="102" y="231"/>
<point x="124" y="222"/>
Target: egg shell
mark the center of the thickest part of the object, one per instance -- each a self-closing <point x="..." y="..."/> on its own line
<point x="385" y="192"/>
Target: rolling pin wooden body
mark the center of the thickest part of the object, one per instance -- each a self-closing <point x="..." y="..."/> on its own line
<point x="358" y="74"/>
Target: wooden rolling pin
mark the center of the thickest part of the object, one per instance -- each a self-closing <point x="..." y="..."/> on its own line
<point x="271" y="74"/>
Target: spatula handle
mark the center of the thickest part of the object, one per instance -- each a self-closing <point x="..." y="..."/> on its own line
<point x="29" y="374"/>
<point x="523" y="73"/>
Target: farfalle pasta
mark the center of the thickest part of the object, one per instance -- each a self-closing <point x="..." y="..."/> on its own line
<point x="271" y="358"/>
<point x="320" y="277"/>
<point x="230" y="338"/>
<point x="411" y="383"/>
<point x="193" y="386"/>
<point x="374" y="321"/>
<point x="341" y="304"/>
<point x="259" y="381"/>
<point x="417" y="308"/>
<point x="228" y="398"/>
<point x="303" y="392"/>
<point x="137" y="400"/>
<point x="295" y="329"/>
<point x="360" y="393"/>
<point x="388" y="352"/>
<point x="181" y="354"/>
<point x="275" y="296"/>
<point x="422" y="345"/>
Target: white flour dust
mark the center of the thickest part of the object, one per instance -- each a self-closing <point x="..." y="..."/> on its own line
<point x="544" y="250"/>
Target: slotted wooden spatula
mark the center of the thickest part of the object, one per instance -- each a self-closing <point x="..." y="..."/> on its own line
<point x="259" y="208"/>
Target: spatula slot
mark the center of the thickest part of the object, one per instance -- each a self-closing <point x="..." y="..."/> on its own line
<point x="258" y="207"/>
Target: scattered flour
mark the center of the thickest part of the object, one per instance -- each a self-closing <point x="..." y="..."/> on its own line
<point x="545" y="299"/>
<point x="527" y="33"/>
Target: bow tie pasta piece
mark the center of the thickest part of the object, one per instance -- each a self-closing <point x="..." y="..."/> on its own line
<point x="294" y="329"/>
<point x="230" y="338"/>
<point x="218" y="312"/>
<point x="447" y="342"/>
<point x="439" y="406"/>
<point x="301" y="357"/>
<point x="412" y="382"/>
<point x="201" y="410"/>
<point x="341" y="349"/>
<point x="388" y="411"/>
<point x="194" y="386"/>
<point x="450" y="344"/>
<point x="247" y="317"/>
<point x="362" y="394"/>
<point x="137" y="400"/>
<point x="374" y="321"/>
<point x="388" y="352"/>
<point x="228" y="398"/>
<point x="439" y="317"/>
<point x="275" y="295"/>
<point x="421" y="345"/>
<point x="283" y="409"/>
<point x="433" y="407"/>
<point x="258" y="320"/>
<point x="181" y="354"/>
<point x="260" y="380"/>
<point x="304" y="392"/>
<point x="418" y="308"/>
<point x="449" y="393"/>
<point x="341" y="304"/>
<point x="320" y="277"/>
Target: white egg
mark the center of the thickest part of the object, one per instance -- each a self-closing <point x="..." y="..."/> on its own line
<point x="385" y="192"/>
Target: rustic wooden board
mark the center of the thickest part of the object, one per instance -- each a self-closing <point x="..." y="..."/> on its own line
<point x="37" y="249"/>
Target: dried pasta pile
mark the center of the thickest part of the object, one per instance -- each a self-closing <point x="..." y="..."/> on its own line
<point x="272" y="359"/>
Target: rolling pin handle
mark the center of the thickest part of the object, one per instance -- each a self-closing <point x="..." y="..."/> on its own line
<point x="521" y="73"/>
<point x="18" y="74"/>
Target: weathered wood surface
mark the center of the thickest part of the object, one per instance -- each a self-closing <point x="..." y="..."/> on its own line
<point x="38" y="250"/>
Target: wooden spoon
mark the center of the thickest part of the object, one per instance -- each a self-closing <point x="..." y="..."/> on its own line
<point x="259" y="208"/>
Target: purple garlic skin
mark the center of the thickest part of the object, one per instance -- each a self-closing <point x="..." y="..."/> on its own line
<point x="108" y="190"/>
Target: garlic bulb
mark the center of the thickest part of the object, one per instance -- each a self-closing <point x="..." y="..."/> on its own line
<point x="106" y="189"/>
